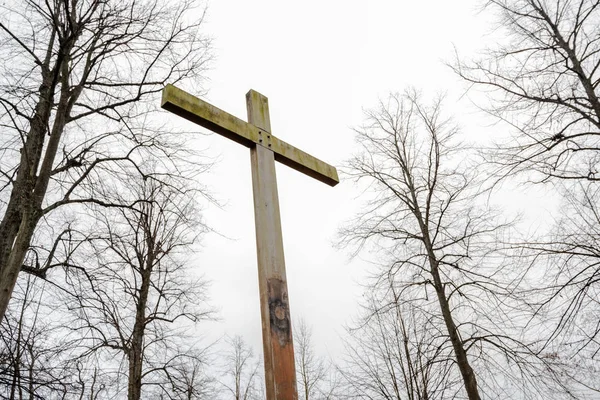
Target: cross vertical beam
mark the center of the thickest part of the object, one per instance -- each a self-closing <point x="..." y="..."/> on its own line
<point x="265" y="149"/>
<point x="278" y="347"/>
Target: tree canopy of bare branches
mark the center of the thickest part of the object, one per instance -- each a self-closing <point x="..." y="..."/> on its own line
<point x="543" y="80"/>
<point x="397" y="352"/>
<point x="439" y="248"/>
<point x="116" y="322"/>
<point x="316" y="376"/>
<point x="134" y="292"/>
<point x="75" y="80"/>
<point x="34" y="354"/>
<point x="241" y="371"/>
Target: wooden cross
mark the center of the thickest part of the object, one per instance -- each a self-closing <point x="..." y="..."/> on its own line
<point x="278" y="347"/>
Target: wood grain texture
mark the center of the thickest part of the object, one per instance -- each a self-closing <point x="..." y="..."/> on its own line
<point x="278" y="347"/>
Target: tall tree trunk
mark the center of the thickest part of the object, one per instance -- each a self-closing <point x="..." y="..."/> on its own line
<point x="460" y="353"/>
<point x="24" y="208"/>
<point x="15" y="228"/>
<point x="136" y="351"/>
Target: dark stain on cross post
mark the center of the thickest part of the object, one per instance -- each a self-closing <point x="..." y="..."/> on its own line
<point x="279" y="311"/>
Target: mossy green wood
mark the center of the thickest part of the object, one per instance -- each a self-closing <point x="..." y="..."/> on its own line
<point x="202" y="113"/>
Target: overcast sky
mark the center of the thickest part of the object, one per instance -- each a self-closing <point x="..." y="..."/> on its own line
<point x="319" y="63"/>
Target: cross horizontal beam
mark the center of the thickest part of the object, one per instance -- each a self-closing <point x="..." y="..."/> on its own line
<point x="202" y="113"/>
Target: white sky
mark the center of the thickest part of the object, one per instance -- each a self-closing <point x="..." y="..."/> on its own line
<point x="319" y="63"/>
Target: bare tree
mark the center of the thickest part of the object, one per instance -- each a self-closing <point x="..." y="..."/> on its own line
<point x="241" y="371"/>
<point x="439" y="245"/>
<point x="397" y="352"/>
<point x="34" y="354"/>
<point x="76" y="77"/>
<point x="562" y="284"/>
<point x="543" y="80"/>
<point x="189" y="380"/>
<point x="403" y="148"/>
<point x="313" y="372"/>
<point x="135" y="293"/>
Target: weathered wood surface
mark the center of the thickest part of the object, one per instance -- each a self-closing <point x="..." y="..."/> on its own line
<point x="265" y="149"/>
<point x="280" y="374"/>
<point x="202" y="113"/>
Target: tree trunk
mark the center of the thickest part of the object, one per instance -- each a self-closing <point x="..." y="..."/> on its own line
<point x="24" y="208"/>
<point x="134" y="385"/>
<point x="136" y="351"/>
<point x="15" y="228"/>
<point x="460" y="353"/>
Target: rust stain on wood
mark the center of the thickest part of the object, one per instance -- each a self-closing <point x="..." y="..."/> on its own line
<point x="281" y="340"/>
<point x="285" y="379"/>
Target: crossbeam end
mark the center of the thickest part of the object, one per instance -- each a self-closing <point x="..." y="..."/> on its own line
<point x="208" y="116"/>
